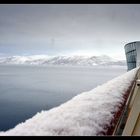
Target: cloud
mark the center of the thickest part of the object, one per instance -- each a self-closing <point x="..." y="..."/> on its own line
<point x="91" y="27"/>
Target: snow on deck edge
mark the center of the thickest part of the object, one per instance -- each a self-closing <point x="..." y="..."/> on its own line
<point x="86" y="114"/>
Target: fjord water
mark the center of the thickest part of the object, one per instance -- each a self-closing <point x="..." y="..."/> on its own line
<point x="26" y="90"/>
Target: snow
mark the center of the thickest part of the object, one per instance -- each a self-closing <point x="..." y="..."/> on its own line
<point x="87" y="114"/>
<point x="62" y="60"/>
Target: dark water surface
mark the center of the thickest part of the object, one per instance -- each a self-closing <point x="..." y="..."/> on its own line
<point x="26" y="90"/>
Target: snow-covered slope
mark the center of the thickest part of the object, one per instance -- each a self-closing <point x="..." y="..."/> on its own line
<point x="62" y="60"/>
<point x="88" y="113"/>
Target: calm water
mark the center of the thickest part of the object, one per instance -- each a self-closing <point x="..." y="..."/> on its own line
<point x="26" y="90"/>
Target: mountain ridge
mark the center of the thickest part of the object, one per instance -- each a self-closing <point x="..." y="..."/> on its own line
<point x="62" y="60"/>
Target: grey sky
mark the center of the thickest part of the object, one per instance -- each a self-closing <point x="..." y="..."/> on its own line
<point x="61" y="29"/>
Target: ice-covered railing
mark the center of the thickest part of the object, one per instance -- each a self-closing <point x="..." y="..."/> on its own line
<point x="89" y="113"/>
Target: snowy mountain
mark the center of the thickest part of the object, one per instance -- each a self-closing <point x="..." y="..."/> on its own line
<point x="62" y="60"/>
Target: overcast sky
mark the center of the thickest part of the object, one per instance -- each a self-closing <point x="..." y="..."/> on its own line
<point x="67" y="29"/>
